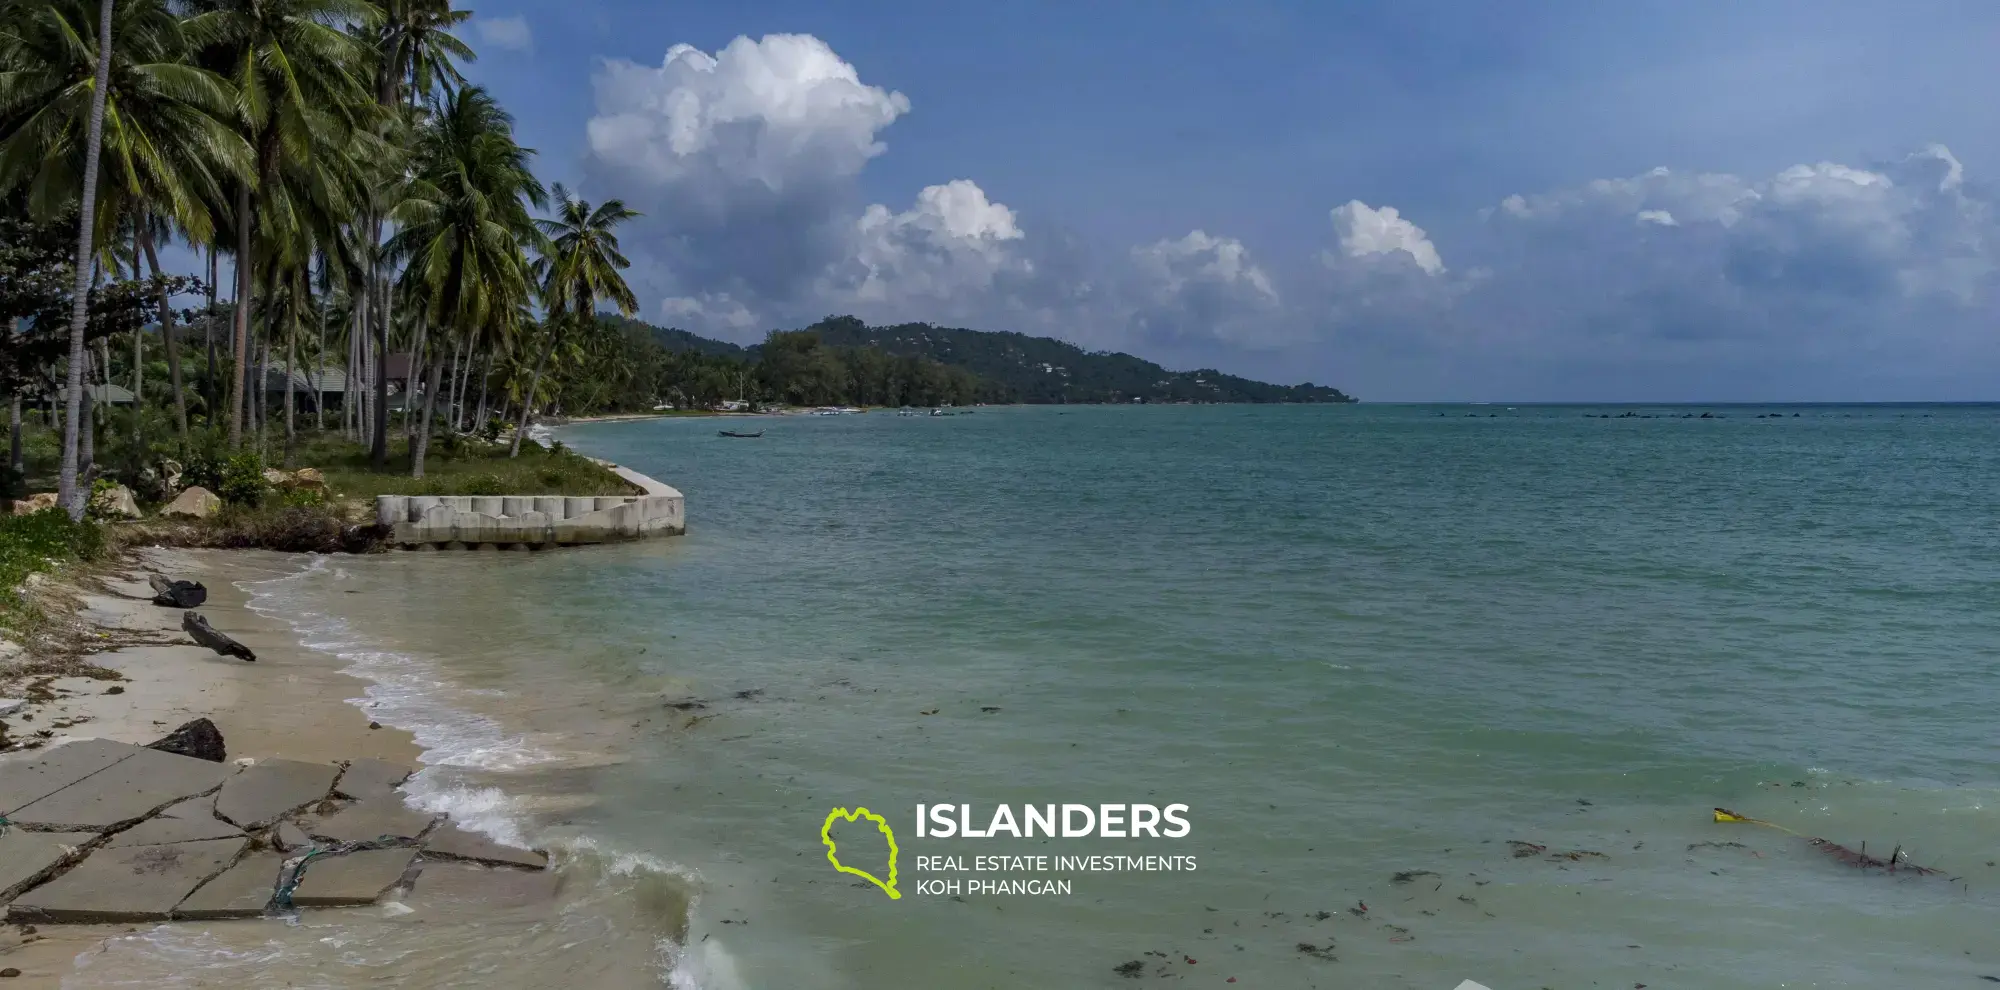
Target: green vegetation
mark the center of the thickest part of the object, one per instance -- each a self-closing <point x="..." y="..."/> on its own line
<point x="633" y="366"/>
<point x="465" y="466"/>
<point x="37" y="543"/>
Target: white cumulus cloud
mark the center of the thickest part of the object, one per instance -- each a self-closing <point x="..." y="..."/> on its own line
<point x="510" y="33"/>
<point x="1366" y="232"/>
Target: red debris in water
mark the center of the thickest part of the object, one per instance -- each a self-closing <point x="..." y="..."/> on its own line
<point x="1190" y="960"/>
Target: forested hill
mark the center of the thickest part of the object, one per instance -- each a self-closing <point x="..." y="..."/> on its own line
<point x="1014" y="367"/>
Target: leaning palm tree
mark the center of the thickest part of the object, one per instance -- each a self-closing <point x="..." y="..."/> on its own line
<point x="463" y="225"/>
<point x="302" y="85"/>
<point x="580" y="266"/>
<point x="127" y="129"/>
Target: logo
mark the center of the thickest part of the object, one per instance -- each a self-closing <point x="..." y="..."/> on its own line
<point x="833" y="851"/>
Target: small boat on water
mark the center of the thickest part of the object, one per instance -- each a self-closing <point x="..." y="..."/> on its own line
<point x="741" y="436"/>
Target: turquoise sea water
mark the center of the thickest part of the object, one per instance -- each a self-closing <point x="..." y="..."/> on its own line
<point x="1355" y="641"/>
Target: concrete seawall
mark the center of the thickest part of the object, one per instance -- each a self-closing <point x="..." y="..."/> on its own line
<point x="524" y="522"/>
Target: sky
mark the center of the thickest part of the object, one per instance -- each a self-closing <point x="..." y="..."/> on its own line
<point x="1754" y="200"/>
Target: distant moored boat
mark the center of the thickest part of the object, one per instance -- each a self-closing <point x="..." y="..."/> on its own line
<point x="741" y="436"/>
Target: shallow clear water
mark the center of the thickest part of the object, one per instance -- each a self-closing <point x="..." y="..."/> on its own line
<point x="1355" y="641"/>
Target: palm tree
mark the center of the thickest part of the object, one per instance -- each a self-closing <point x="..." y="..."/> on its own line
<point x="580" y="266"/>
<point x="159" y="119"/>
<point x="301" y="85"/>
<point x="463" y="224"/>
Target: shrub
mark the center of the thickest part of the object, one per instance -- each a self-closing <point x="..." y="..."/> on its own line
<point x="34" y="543"/>
<point x="98" y="487"/>
<point x="302" y="498"/>
<point x="242" y="481"/>
<point x="480" y="484"/>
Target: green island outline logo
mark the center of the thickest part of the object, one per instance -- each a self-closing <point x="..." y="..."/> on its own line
<point x="833" y="852"/>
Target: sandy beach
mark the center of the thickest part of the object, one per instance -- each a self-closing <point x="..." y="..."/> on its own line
<point x="293" y="703"/>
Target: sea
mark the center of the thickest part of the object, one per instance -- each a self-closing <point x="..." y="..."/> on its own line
<point x="1445" y="693"/>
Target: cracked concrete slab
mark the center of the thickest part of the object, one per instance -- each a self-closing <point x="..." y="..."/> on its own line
<point x="243" y="891"/>
<point x="27" y="855"/>
<point x="365" y="779"/>
<point x="128" y="790"/>
<point x="163" y="830"/>
<point x="267" y="791"/>
<point x="25" y="781"/>
<point x="352" y="880"/>
<point x="452" y="842"/>
<point x="136" y="883"/>
<point x="381" y="818"/>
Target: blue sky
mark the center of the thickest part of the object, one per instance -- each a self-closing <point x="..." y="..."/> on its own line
<point x="1711" y="201"/>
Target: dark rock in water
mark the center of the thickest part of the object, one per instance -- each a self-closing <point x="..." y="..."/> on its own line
<point x="181" y="594"/>
<point x="199" y="739"/>
<point x="1131" y="970"/>
<point x="205" y="634"/>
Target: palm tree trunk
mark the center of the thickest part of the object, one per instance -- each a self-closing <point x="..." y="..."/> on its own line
<point x="423" y="442"/>
<point x="67" y="494"/>
<point x="319" y="377"/>
<point x="87" y="444"/>
<point x="138" y="349"/>
<point x="379" y="445"/>
<point x="485" y="375"/>
<point x="457" y="381"/>
<point x="528" y="399"/>
<point x="170" y="334"/>
<point x="410" y="387"/>
<point x="241" y="347"/>
<point x="291" y="377"/>
<point x="17" y="465"/>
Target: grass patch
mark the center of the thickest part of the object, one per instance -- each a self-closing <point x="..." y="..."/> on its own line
<point x="458" y="466"/>
<point x="35" y="544"/>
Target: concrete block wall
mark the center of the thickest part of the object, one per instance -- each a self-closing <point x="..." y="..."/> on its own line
<point x="528" y="521"/>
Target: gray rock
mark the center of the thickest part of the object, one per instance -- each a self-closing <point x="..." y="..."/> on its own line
<point x="23" y="783"/>
<point x="268" y="791"/>
<point x="163" y="830"/>
<point x="136" y="883"/>
<point x="351" y="880"/>
<point x="381" y="818"/>
<point x="452" y="842"/>
<point x="128" y="790"/>
<point x="25" y="856"/>
<point x="366" y="779"/>
<point x="199" y="739"/>
<point x="195" y="503"/>
<point x="243" y="891"/>
<point x="9" y="706"/>
<point x="290" y="838"/>
<point x="115" y="502"/>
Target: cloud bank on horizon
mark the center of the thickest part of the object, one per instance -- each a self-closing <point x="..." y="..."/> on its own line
<point x="1843" y="280"/>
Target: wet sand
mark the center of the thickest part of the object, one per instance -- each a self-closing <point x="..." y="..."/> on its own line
<point x="460" y="923"/>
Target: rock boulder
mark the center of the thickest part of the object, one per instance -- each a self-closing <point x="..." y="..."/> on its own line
<point x="199" y="739"/>
<point x="115" y="502"/>
<point x="34" y="503"/>
<point x="195" y="503"/>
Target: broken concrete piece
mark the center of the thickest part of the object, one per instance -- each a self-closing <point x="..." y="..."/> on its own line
<point x="456" y="887"/>
<point x="136" y="883"/>
<point x="262" y="794"/>
<point x="364" y="779"/>
<point x="381" y="818"/>
<point x="243" y="891"/>
<point x="354" y="879"/>
<point x="452" y="842"/>
<point x="9" y="706"/>
<point x="195" y="503"/>
<point x="23" y="783"/>
<point x="163" y="830"/>
<point x="290" y="838"/>
<point x="199" y="739"/>
<point x="27" y="855"/>
<point x="128" y="790"/>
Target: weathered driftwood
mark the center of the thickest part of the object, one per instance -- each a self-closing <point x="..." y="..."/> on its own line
<point x="160" y="584"/>
<point x="179" y="594"/>
<point x="206" y="635"/>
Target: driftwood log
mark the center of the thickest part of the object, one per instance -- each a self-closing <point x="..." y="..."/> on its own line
<point x="178" y="594"/>
<point x="206" y="635"/>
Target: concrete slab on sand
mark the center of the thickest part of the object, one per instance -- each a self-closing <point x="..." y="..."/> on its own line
<point x="244" y="891"/>
<point x="365" y="779"/>
<point x="24" y="855"/>
<point x="25" y="781"/>
<point x="137" y="883"/>
<point x="382" y="818"/>
<point x="162" y="830"/>
<point x="452" y="842"/>
<point x="127" y="790"/>
<point x="352" y="880"/>
<point x="269" y="790"/>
